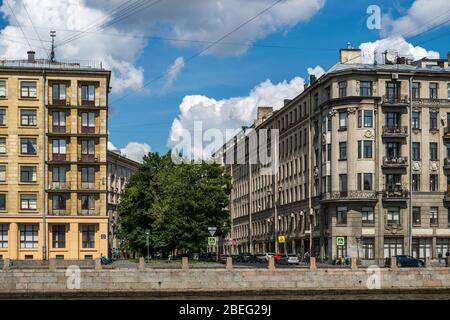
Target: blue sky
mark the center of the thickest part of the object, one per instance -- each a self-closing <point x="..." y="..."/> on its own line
<point x="146" y="116"/>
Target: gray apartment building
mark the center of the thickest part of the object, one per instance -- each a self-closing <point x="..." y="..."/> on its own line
<point x="364" y="166"/>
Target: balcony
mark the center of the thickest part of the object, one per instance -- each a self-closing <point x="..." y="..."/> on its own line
<point x="395" y="193"/>
<point x="59" y="157"/>
<point x="59" y="102"/>
<point x="88" y="212"/>
<point x="395" y="132"/>
<point x="87" y="130"/>
<point x="395" y="101"/>
<point x="446" y="132"/>
<point x="87" y="185"/>
<point x="395" y="162"/>
<point x="88" y="158"/>
<point x="447" y="164"/>
<point x="59" y="186"/>
<point x="89" y="103"/>
<point x="357" y="195"/>
<point x="59" y="129"/>
<point x="59" y="212"/>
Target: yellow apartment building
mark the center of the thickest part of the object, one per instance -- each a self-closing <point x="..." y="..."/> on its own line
<point x="53" y="141"/>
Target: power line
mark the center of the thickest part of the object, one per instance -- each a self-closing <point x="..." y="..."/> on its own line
<point x="35" y="31"/>
<point x="208" y="47"/>
<point x="12" y="11"/>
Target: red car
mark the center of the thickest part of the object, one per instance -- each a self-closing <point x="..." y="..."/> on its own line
<point x="277" y="257"/>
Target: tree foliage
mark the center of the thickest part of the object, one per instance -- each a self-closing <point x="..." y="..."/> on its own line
<point x="176" y="203"/>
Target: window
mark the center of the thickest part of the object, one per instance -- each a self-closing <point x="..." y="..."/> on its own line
<point x="434" y="186"/>
<point x="342" y="150"/>
<point x="58" y="92"/>
<point x="2" y="145"/>
<point x="59" y="149"/>
<point x="448" y="91"/>
<point x="433" y="151"/>
<point x="59" y="203"/>
<point x="392" y="150"/>
<point x="433" y="90"/>
<point x="365" y="89"/>
<point x="392" y="90"/>
<point x="28" y="174"/>
<point x="343" y="120"/>
<point x="316" y="100"/>
<point x="2" y="173"/>
<point x="87" y="204"/>
<point x="329" y="152"/>
<point x="393" y="120"/>
<point x="368" y="118"/>
<point x="341" y="215"/>
<point x="416" y="90"/>
<point x="3" y="235"/>
<point x="87" y="177"/>
<point x="2" y="88"/>
<point x="393" y="247"/>
<point x="2" y="201"/>
<point x="415" y="151"/>
<point x="368" y="248"/>
<point x="393" y="215"/>
<point x="416" y="216"/>
<point x="442" y="246"/>
<point x="28" y="146"/>
<point x="343" y="182"/>
<point x="88" y="92"/>
<point x="433" y="120"/>
<point x="367" y="182"/>
<point x="88" y="122"/>
<point x="2" y="117"/>
<point x="416" y="182"/>
<point x="367" y="215"/>
<point x="342" y="89"/>
<point x="415" y="120"/>
<point x="367" y="149"/>
<point x="59" y="121"/>
<point x="434" y="220"/>
<point x="421" y="248"/>
<point x="88" y="150"/>
<point x="88" y="236"/>
<point x="28" y="117"/>
<point x="28" y="202"/>
<point x="58" y="174"/>
<point x="29" y="236"/>
<point x="59" y="236"/>
<point x="28" y="89"/>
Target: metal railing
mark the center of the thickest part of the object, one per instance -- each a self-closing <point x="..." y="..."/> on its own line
<point x="400" y="130"/>
<point x="56" y="186"/>
<point x="47" y="64"/>
<point x="349" y="195"/>
<point x="395" y="99"/>
<point x="395" y="161"/>
<point x="395" y="193"/>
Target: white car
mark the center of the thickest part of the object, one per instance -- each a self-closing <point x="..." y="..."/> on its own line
<point x="289" y="259"/>
<point x="264" y="257"/>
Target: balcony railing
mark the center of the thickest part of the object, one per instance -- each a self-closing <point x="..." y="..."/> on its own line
<point x="395" y="162"/>
<point x="88" y="158"/>
<point x="88" y="212"/>
<point x="87" y="103"/>
<point x="59" y="212"/>
<point x="350" y="195"/>
<point x="400" y="131"/>
<point x="88" y="129"/>
<point x="395" y="99"/>
<point x="59" y="129"/>
<point x="59" y="157"/>
<point x="59" y="102"/>
<point x="88" y="185"/>
<point x="57" y="186"/>
<point x="446" y="163"/>
<point x="395" y="193"/>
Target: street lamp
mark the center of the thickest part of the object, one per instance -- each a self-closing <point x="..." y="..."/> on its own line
<point x="147" y="232"/>
<point x="311" y="216"/>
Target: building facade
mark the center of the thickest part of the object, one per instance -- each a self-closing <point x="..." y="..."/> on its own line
<point x="53" y="139"/>
<point x="363" y="166"/>
<point x="120" y="168"/>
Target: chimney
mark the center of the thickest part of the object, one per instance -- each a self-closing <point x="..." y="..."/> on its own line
<point x="262" y="114"/>
<point x="312" y="79"/>
<point x="31" y="56"/>
<point x="350" y="56"/>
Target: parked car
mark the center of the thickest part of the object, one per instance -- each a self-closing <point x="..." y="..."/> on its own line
<point x="245" y="257"/>
<point x="223" y="258"/>
<point x="277" y="257"/>
<point x="264" y="258"/>
<point x="406" y="261"/>
<point x="289" y="259"/>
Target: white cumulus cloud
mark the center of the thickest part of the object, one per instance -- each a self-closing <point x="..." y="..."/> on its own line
<point x="173" y="72"/>
<point x="231" y="113"/>
<point x="133" y="150"/>
<point x="317" y="71"/>
<point x="395" y="45"/>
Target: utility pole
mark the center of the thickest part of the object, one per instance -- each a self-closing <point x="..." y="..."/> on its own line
<point x="147" y="232"/>
<point x="52" y="53"/>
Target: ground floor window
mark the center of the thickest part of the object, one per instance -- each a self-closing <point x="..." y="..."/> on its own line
<point x="29" y="236"/>
<point x="393" y="247"/>
<point x="3" y="235"/>
<point x="59" y="236"/>
<point x="442" y="247"/>
<point x="421" y="248"/>
<point x="368" y="247"/>
<point x="88" y="236"/>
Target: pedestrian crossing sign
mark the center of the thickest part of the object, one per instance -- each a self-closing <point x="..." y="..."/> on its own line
<point x="340" y="241"/>
<point x="281" y="239"/>
<point x="212" y="241"/>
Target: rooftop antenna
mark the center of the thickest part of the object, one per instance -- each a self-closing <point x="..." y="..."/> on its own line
<point x="349" y="45"/>
<point x="52" y="53"/>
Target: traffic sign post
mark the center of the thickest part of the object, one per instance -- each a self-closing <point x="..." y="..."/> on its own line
<point x="340" y="241"/>
<point x="212" y="231"/>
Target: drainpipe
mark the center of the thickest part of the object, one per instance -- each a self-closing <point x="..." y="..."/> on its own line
<point x="410" y="211"/>
<point x="44" y="181"/>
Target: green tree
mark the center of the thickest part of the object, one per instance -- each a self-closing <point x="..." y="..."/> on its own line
<point x="177" y="203"/>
